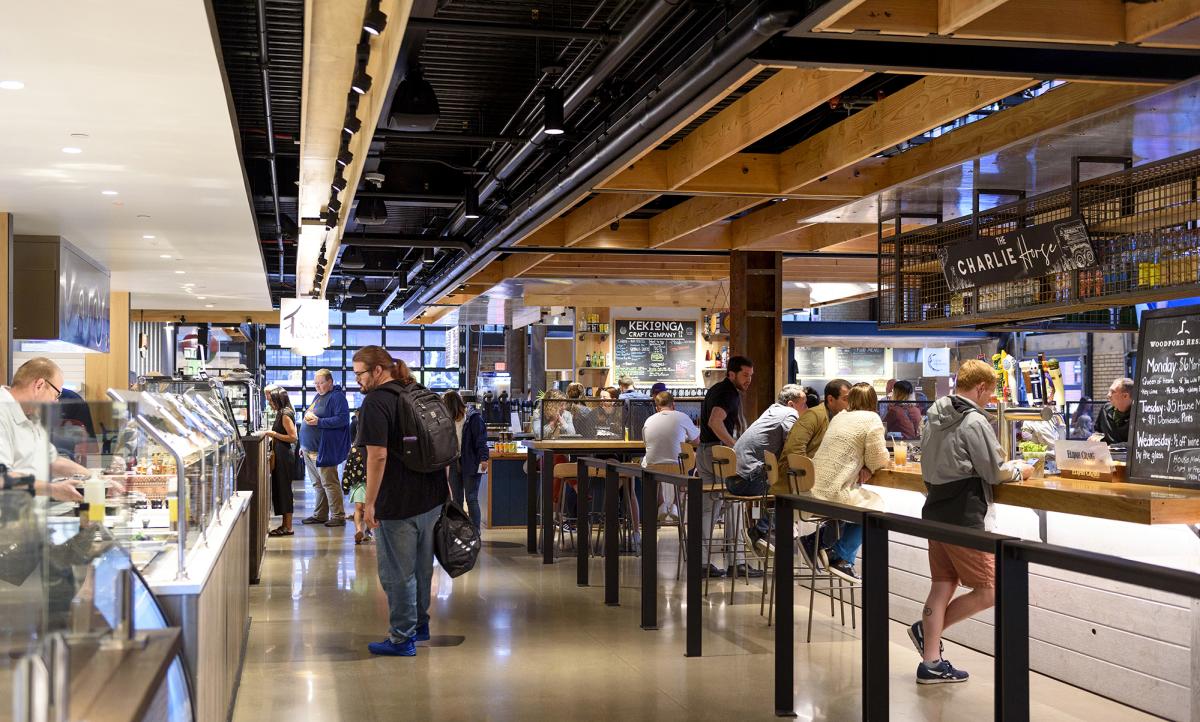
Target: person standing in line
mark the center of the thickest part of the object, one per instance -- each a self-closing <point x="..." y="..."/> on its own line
<point x="720" y="418"/>
<point x="664" y="433"/>
<point x="325" y="438"/>
<point x="961" y="461"/>
<point x="467" y="472"/>
<point x="283" y="435"/>
<point x="403" y="504"/>
<point x="1113" y="422"/>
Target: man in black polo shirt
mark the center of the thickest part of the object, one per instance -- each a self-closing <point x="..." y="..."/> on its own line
<point x="720" y="418"/>
<point x="404" y="504"/>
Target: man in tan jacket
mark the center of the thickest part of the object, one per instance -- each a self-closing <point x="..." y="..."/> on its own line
<point x="808" y="431"/>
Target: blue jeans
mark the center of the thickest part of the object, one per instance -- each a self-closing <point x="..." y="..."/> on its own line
<point x="462" y="483"/>
<point x="754" y="485"/>
<point x="846" y="548"/>
<point x="404" y="549"/>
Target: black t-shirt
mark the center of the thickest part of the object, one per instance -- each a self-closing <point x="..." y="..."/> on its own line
<point x="723" y="395"/>
<point x="403" y="493"/>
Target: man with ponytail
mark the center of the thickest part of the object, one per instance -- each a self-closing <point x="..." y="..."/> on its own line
<point x="402" y="503"/>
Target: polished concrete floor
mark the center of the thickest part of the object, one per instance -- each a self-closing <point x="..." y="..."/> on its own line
<point x="517" y="640"/>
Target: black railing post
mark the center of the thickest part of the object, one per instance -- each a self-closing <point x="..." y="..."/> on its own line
<point x="531" y="486"/>
<point x="1012" y="635"/>
<point x="649" y="547"/>
<point x="785" y="631"/>
<point x="612" y="554"/>
<point x="695" y="523"/>
<point x="875" y="619"/>
<point x="583" y="521"/>
<point x="548" y="507"/>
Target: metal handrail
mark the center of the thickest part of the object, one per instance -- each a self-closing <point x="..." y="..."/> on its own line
<point x="1013" y="557"/>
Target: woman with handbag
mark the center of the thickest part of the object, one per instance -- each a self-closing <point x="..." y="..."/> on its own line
<point x="467" y="472"/>
<point x="283" y="458"/>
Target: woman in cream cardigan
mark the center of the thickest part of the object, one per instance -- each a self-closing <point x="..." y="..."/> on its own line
<point x="852" y="450"/>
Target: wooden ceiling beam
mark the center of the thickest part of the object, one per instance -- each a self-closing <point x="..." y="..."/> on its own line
<point x="601" y="212"/>
<point x="953" y="14"/>
<point x="1092" y="22"/>
<point x="694" y="214"/>
<point x="891" y="17"/>
<point x="1143" y="21"/>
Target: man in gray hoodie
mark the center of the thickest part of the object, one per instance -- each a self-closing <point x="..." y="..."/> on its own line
<point x="960" y="462"/>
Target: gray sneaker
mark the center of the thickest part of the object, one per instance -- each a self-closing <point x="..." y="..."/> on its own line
<point x="336" y="522"/>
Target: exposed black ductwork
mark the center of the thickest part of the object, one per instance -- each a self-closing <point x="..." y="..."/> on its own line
<point x="678" y="99"/>
<point x="513" y="30"/>
<point x="377" y="241"/>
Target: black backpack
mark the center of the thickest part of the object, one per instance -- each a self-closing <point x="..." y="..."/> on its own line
<point x="430" y="442"/>
<point x="455" y="541"/>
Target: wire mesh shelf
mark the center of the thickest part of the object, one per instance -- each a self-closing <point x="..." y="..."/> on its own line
<point x="1142" y="228"/>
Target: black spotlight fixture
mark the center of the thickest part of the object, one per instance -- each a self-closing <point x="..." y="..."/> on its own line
<point x="352" y="124"/>
<point x="361" y="83"/>
<point x="471" y="202"/>
<point x="331" y="222"/>
<point x="358" y="287"/>
<point x="375" y="21"/>
<point x="345" y="158"/>
<point x="335" y="206"/>
<point x="427" y="257"/>
<point x="353" y="259"/>
<point x="371" y="212"/>
<point x="414" y="104"/>
<point x="552" y="112"/>
<point x="339" y="182"/>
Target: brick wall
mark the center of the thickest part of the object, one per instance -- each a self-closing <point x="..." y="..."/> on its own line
<point x="489" y="356"/>
<point x="1108" y="360"/>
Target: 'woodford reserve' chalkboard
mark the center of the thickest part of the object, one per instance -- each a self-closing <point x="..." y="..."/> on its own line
<point x="810" y="362"/>
<point x="1164" y="429"/>
<point x="650" y="350"/>
<point x="1024" y="253"/>
<point x="860" y="362"/>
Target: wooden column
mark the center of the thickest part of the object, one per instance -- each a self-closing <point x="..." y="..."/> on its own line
<point x="6" y="322"/>
<point x="516" y="349"/>
<point x="537" y="359"/>
<point x="102" y="371"/>
<point x="756" y="323"/>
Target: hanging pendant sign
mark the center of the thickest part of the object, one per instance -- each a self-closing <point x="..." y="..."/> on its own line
<point x="304" y="325"/>
<point x="1029" y="252"/>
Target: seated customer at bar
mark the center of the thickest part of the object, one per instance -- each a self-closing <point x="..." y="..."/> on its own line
<point x="903" y="417"/>
<point x="664" y="433"/>
<point x="806" y="434"/>
<point x="1113" y="421"/>
<point x="852" y="450"/>
<point x="961" y="461"/>
<point x="554" y="419"/>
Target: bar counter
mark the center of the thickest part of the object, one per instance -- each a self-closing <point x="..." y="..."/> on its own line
<point x="1119" y="501"/>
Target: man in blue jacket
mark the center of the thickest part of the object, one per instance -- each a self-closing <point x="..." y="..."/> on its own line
<point x="325" y="439"/>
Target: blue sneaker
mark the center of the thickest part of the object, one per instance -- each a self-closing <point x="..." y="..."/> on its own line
<point x="388" y="648"/>
<point x="942" y="673"/>
<point x="916" y="633"/>
<point x="422" y="633"/>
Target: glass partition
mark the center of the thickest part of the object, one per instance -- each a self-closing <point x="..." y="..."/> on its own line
<point x="599" y="419"/>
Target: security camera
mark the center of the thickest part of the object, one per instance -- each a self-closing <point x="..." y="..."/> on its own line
<point x="375" y="179"/>
<point x="638" y="308"/>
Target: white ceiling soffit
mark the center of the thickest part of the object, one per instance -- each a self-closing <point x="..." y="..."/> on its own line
<point x="143" y="80"/>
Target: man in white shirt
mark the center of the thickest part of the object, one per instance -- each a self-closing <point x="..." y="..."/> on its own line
<point x="25" y="448"/>
<point x="663" y="433"/>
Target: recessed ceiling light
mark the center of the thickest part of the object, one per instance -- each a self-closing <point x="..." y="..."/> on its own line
<point x="189" y="283"/>
<point x="148" y="238"/>
<point x="11" y="85"/>
<point x="108" y="193"/>
<point x="202" y="298"/>
<point x="72" y="150"/>
<point x="164" y="255"/>
<point x="208" y="305"/>
<point x="80" y="135"/>
<point x="181" y="272"/>
<point x="142" y="215"/>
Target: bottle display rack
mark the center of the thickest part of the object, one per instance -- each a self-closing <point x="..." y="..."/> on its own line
<point x="1142" y="228"/>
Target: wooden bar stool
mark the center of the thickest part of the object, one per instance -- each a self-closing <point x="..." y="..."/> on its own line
<point x="725" y="463"/>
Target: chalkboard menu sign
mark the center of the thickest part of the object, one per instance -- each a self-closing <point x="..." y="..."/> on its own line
<point x="1164" y="429"/>
<point x="810" y="362"/>
<point x="1023" y="253"/>
<point x="867" y="362"/>
<point x="651" y="350"/>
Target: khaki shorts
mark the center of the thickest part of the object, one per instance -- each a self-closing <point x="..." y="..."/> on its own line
<point x="968" y="567"/>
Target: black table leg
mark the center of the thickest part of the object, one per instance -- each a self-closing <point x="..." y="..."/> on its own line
<point x="612" y="558"/>
<point x="649" y="549"/>
<point x="583" y="524"/>
<point x="695" y="522"/>
<point x="1012" y="636"/>
<point x="785" y="632"/>
<point x="548" y="508"/>
<point x="531" y="479"/>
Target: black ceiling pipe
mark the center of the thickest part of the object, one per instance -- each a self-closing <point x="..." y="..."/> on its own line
<point x="463" y="138"/>
<point x="576" y="250"/>
<point x="639" y="30"/>
<point x="264" y="65"/>
<point x="679" y="98"/>
<point x="386" y="241"/>
<point x="509" y="29"/>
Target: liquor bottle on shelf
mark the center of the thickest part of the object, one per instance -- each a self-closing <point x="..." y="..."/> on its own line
<point x="587" y="361"/>
<point x="708" y="355"/>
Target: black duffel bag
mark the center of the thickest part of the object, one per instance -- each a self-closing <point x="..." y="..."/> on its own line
<point x="455" y="541"/>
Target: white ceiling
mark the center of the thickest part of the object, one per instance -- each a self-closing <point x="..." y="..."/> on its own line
<point x="143" y="80"/>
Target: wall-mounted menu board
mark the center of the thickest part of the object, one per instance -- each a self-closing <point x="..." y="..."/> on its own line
<point x="867" y="362"/>
<point x="651" y="350"/>
<point x="1164" y="429"/>
<point x="810" y="362"/>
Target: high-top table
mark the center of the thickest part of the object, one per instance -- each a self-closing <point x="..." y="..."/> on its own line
<point x="544" y="451"/>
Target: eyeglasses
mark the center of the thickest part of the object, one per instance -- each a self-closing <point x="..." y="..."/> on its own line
<point x="57" y="391"/>
<point x="360" y="373"/>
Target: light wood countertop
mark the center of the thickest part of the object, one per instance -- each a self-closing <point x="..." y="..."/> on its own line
<point x="1137" y="503"/>
<point x="587" y="444"/>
